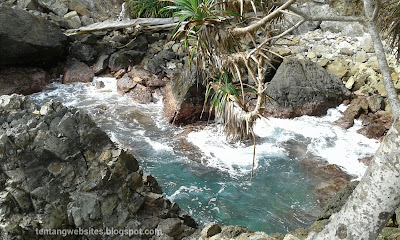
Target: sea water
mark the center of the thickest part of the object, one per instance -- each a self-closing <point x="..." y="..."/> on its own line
<point x="210" y="177"/>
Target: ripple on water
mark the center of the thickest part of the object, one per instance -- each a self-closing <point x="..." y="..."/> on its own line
<point x="209" y="177"/>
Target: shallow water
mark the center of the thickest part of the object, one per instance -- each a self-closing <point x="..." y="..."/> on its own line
<point x="209" y="177"/>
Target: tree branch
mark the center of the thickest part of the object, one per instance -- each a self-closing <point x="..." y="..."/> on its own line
<point x="236" y="32"/>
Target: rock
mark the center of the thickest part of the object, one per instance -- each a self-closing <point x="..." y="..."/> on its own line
<point x="82" y="52"/>
<point x="338" y="68"/>
<point x="74" y="22"/>
<point x="373" y="130"/>
<point x="157" y="63"/>
<point x="184" y="98"/>
<point x="57" y="7"/>
<point x="27" y="4"/>
<point x="86" y="20"/>
<point x="120" y="73"/>
<point x="367" y="44"/>
<point x="356" y="108"/>
<point x="375" y="103"/>
<point x="123" y="59"/>
<point x="346" y="51"/>
<point x="336" y="203"/>
<point x="125" y="84"/>
<point x="28" y="40"/>
<point x="210" y="230"/>
<point x="22" y="80"/>
<point x="141" y="94"/>
<point x="300" y="87"/>
<point x="366" y="161"/>
<point x="70" y="15"/>
<point x="77" y="72"/>
<point x="350" y="82"/>
<point x="233" y="231"/>
<point x="137" y="92"/>
<point x="171" y="227"/>
<point x="101" y="64"/>
<point x="69" y="173"/>
<point x="79" y="7"/>
<point x="146" y="78"/>
<point x="361" y="56"/>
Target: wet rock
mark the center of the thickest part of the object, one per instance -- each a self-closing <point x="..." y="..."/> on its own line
<point x="210" y="230"/>
<point x="301" y="87"/>
<point x="29" y="40"/>
<point x="125" y="84"/>
<point x="366" y="161"/>
<point x="141" y="94"/>
<point x="68" y="174"/>
<point x="77" y="72"/>
<point x="184" y="98"/>
<point x="336" y="203"/>
<point x="356" y="108"/>
<point x="22" y="80"/>
<point x="373" y="130"/>
<point x="145" y="78"/>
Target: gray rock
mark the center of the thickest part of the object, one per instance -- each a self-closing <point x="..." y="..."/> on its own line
<point x="210" y="230"/>
<point x="124" y="59"/>
<point x="74" y="22"/>
<point x="361" y="56"/>
<point x="86" y="20"/>
<point x="29" y="40"/>
<point x="346" y="51"/>
<point x="367" y="44"/>
<point x="57" y="7"/>
<point x="301" y="87"/>
<point x="336" y="203"/>
<point x="71" y="174"/>
<point x="27" y="4"/>
<point x="101" y="64"/>
<point x="83" y="52"/>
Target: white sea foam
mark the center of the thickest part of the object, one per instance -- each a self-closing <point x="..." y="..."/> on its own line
<point x="159" y="146"/>
<point x="326" y="140"/>
<point x="184" y="190"/>
<point x="234" y="158"/>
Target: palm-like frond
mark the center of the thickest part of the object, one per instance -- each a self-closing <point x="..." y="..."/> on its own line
<point x="390" y="23"/>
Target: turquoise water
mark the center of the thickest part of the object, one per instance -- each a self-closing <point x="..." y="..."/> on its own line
<point x="206" y="176"/>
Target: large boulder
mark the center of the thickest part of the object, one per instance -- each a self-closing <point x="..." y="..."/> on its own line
<point x="22" y="80"/>
<point x="61" y="171"/>
<point x="301" y="87"/>
<point x="26" y="39"/>
<point x="184" y="98"/>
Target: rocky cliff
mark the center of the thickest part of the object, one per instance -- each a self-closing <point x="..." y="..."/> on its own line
<point x="58" y="170"/>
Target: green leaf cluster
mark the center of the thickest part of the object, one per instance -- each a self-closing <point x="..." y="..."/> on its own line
<point x="149" y="8"/>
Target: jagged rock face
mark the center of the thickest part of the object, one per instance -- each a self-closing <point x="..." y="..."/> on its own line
<point x="184" y="98"/>
<point x="59" y="170"/>
<point x="29" y="40"/>
<point x="301" y="87"/>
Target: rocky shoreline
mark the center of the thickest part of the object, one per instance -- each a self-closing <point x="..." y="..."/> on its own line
<point x="60" y="171"/>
